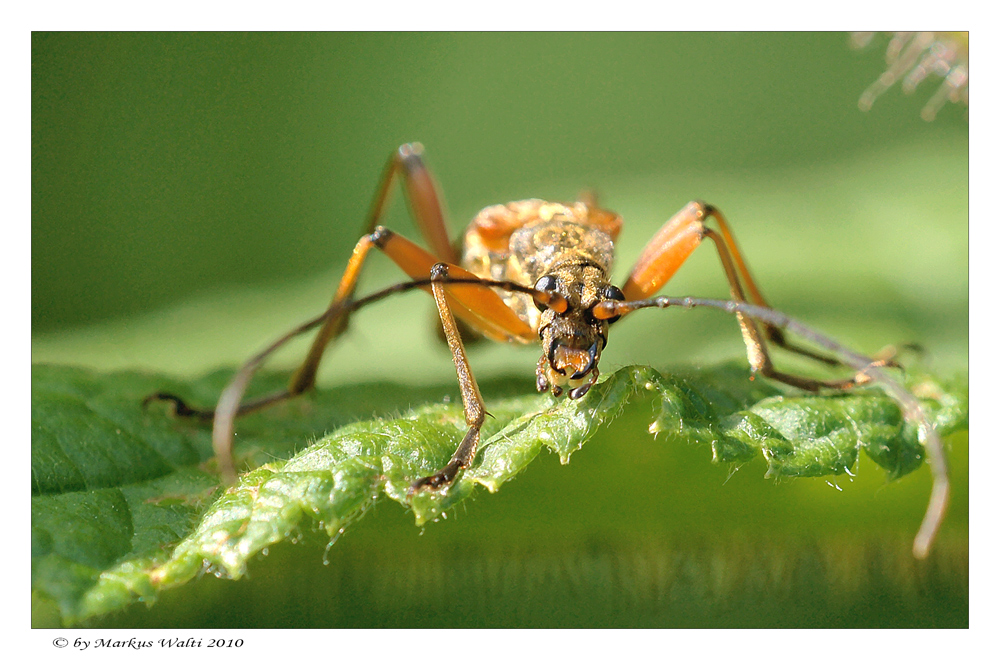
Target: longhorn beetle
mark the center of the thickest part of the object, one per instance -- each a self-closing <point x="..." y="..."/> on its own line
<point x="539" y="271"/>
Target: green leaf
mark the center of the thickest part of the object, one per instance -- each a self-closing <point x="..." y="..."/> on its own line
<point x="126" y="501"/>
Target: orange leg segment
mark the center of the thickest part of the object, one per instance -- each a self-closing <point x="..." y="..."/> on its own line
<point x="478" y="306"/>
<point x="663" y="255"/>
<point x="675" y="242"/>
<point x="421" y="191"/>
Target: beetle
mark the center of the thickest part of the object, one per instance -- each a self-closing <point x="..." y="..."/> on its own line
<point x="537" y="271"/>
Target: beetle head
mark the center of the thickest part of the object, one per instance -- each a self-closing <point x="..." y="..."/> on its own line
<point x="572" y="339"/>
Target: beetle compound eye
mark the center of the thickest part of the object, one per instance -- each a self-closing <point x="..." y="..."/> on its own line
<point x="611" y="292"/>
<point x="547" y="284"/>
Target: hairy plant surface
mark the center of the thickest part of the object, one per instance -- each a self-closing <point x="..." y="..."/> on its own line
<point x="126" y="502"/>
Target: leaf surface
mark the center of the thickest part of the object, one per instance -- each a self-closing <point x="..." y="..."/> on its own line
<point x="126" y="502"/>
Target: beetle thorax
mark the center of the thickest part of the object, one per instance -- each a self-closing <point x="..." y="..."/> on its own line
<point x="545" y="245"/>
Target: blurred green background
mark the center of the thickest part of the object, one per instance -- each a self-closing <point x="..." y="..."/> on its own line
<point x="194" y="195"/>
<point x="168" y="164"/>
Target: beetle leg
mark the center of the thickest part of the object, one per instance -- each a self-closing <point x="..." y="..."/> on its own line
<point x="407" y="164"/>
<point x="774" y="334"/>
<point x="671" y="247"/>
<point x="472" y="400"/>
<point x="757" y="353"/>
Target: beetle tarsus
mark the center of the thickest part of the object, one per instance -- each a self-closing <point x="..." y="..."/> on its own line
<point x="436" y="481"/>
<point x="179" y="406"/>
